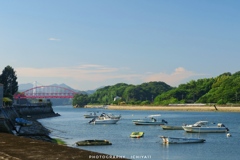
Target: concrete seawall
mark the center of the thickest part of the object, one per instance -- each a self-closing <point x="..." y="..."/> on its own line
<point x="30" y="112"/>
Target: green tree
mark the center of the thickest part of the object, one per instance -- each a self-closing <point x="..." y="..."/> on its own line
<point x="80" y="99"/>
<point x="9" y="80"/>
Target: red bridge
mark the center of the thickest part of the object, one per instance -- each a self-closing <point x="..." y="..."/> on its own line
<point x="46" y="92"/>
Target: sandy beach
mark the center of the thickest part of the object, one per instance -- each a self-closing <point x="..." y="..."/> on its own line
<point x="180" y="108"/>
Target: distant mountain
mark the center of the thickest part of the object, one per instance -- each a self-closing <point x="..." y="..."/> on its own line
<point x="24" y="87"/>
<point x="90" y="91"/>
<point x="64" y="86"/>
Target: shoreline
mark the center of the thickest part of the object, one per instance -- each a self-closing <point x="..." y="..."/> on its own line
<point x="179" y="108"/>
<point x="34" y="143"/>
<point x="20" y="148"/>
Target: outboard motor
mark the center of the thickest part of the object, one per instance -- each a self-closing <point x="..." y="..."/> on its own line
<point x="164" y="121"/>
<point x="103" y="114"/>
<point x="92" y="120"/>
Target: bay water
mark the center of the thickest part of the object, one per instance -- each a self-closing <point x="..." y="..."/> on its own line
<point x="71" y="127"/>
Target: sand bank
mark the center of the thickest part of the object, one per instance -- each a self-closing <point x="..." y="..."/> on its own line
<point x="180" y="108"/>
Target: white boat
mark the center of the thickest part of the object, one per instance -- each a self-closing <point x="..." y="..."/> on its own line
<point x="150" y="120"/>
<point x="203" y="127"/>
<point x="111" y="115"/>
<point x="104" y="119"/>
<point x="179" y="140"/>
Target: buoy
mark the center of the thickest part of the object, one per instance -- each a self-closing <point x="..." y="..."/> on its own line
<point x="229" y="135"/>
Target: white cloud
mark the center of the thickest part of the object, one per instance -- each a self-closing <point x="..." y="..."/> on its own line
<point x="174" y="78"/>
<point x="84" y="72"/>
<point x="89" y="75"/>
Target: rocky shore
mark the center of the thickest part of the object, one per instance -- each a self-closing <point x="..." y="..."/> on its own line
<point x="32" y="142"/>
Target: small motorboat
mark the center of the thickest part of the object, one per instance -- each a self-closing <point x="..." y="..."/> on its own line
<point x="150" y="120"/>
<point x="166" y="127"/>
<point x="104" y="119"/>
<point x="177" y="140"/>
<point x="136" y="134"/>
<point x="112" y="116"/>
<point x="91" y="115"/>
<point x="203" y="127"/>
<point x="94" y="142"/>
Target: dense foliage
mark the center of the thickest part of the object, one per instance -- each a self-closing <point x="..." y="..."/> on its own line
<point x="185" y="93"/>
<point x="222" y="89"/>
<point x="80" y="100"/>
<point x="122" y="93"/>
<point x="9" y="80"/>
<point x="225" y="89"/>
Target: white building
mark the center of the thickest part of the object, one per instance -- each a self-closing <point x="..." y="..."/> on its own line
<point x="117" y="98"/>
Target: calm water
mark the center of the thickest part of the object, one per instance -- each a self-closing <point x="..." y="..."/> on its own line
<point x="71" y="126"/>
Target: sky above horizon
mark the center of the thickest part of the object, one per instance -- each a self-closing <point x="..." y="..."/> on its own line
<point x="87" y="44"/>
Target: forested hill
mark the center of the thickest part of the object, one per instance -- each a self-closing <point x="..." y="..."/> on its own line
<point x="131" y="94"/>
<point x="222" y="89"/>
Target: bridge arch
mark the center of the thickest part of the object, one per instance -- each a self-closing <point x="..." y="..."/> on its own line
<point x="47" y="92"/>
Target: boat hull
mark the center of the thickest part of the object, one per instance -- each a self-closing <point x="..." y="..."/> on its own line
<point x="141" y="122"/>
<point x="137" y="134"/>
<point x="205" y="129"/>
<point x="177" y="140"/>
<point x="90" y="116"/>
<point x="93" y="142"/>
<point x="106" y="121"/>
<point x="165" y="127"/>
<point x="148" y="123"/>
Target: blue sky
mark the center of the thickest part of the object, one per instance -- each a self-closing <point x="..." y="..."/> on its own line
<point x="91" y="43"/>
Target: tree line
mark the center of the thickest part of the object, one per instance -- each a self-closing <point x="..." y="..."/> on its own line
<point x="222" y="89"/>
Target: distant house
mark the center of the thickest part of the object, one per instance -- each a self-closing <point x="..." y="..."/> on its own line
<point x="117" y="98"/>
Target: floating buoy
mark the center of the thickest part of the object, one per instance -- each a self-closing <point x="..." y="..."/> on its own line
<point x="229" y="135"/>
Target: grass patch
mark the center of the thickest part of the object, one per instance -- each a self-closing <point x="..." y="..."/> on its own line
<point x="59" y="141"/>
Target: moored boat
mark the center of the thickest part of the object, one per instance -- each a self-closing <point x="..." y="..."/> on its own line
<point x="91" y="115"/>
<point x="136" y="134"/>
<point x="179" y="140"/>
<point x="166" y="127"/>
<point x="150" y="120"/>
<point x="104" y="119"/>
<point x="93" y="142"/>
<point x="112" y="116"/>
<point x="203" y="127"/>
